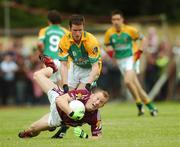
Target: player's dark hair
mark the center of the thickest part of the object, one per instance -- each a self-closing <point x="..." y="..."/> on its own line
<point x="54" y="17"/>
<point x="76" y="20"/>
<point x="116" y="12"/>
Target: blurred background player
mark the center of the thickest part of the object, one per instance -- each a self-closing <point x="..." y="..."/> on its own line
<point x="120" y="39"/>
<point x="61" y="113"/>
<point x="49" y="38"/>
<point x="84" y="52"/>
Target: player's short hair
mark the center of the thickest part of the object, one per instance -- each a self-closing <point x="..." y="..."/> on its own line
<point x="76" y="20"/>
<point x="116" y="12"/>
<point x="105" y="93"/>
<point x="54" y="17"/>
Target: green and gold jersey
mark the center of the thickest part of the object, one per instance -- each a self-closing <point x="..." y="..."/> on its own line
<point x="50" y="37"/>
<point x="83" y="54"/>
<point x="123" y="42"/>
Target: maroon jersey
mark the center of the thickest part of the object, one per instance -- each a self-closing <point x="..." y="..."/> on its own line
<point x="92" y="118"/>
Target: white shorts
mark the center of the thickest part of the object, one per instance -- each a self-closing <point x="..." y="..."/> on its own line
<point x="57" y="75"/>
<point x="128" y="64"/>
<point x="77" y="75"/>
<point x="54" y="119"/>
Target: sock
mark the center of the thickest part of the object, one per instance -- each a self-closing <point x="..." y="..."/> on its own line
<point x="150" y="106"/>
<point x="139" y="106"/>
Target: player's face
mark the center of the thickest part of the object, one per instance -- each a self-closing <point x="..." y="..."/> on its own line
<point x="97" y="100"/>
<point x="76" y="31"/>
<point x="117" y="21"/>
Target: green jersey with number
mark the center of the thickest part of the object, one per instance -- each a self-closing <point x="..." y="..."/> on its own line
<point x="50" y="36"/>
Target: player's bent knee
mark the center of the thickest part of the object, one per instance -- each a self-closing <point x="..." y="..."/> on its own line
<point x="127" y="81"/>
<point x="36" y="75"/>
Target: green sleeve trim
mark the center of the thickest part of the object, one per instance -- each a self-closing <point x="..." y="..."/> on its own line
<point x="93" y="60"/>
<point x="64" y="58"/>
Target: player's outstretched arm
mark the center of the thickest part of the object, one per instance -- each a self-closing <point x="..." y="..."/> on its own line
<point x="94" y="72"/>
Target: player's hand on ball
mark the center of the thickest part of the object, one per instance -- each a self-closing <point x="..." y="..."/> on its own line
<point x="80" y="133"/>
<point x="76" y="115"/>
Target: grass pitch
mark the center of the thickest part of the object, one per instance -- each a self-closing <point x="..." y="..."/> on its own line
<point x="121" y="127"/>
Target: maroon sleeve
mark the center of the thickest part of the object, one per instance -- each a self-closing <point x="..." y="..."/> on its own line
<point x="96" y="125"/>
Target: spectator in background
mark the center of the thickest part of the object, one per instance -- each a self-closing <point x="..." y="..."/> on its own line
<point x="150" y="57"/>
<point x="176" y="52"/>
<point x="1" y="74"/>
<point x="34" y="91"/>
<point x="166" y="64"/>
<point x="8" y="68"/>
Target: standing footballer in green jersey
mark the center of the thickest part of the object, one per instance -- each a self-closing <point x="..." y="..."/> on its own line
<point x="121" y="39"/>
<point x="50" y="36"/>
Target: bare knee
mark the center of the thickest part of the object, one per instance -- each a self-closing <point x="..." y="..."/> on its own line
<point x="36" y="75"/>
<point x="128" y="81"/>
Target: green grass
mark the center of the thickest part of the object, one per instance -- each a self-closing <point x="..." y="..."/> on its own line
<point x="121" y="127"/>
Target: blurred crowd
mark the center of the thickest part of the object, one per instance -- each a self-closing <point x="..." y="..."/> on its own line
<point x="16" y="76"/>
<point x="161" y="58"/>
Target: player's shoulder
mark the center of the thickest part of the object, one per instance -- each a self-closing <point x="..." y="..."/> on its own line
<point x="109" y="32"/>
<point x="90" y="37"/>
<point x="65" y="30"/>
<point x="129" y="28"/>
<point x="111" y="29"/>
<point x="43" y="29"/>
<point x="67" y="36"/>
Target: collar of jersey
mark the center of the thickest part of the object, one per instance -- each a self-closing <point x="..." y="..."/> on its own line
<point x="83" y="38"/>
<point x="122" y="28"/>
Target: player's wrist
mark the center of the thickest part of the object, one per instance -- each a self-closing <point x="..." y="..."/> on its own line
<point x="71" y="114"/>
<point x="76" y="115"/>
<point x="88" y="86"/>
<point x="65" y="88"/>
